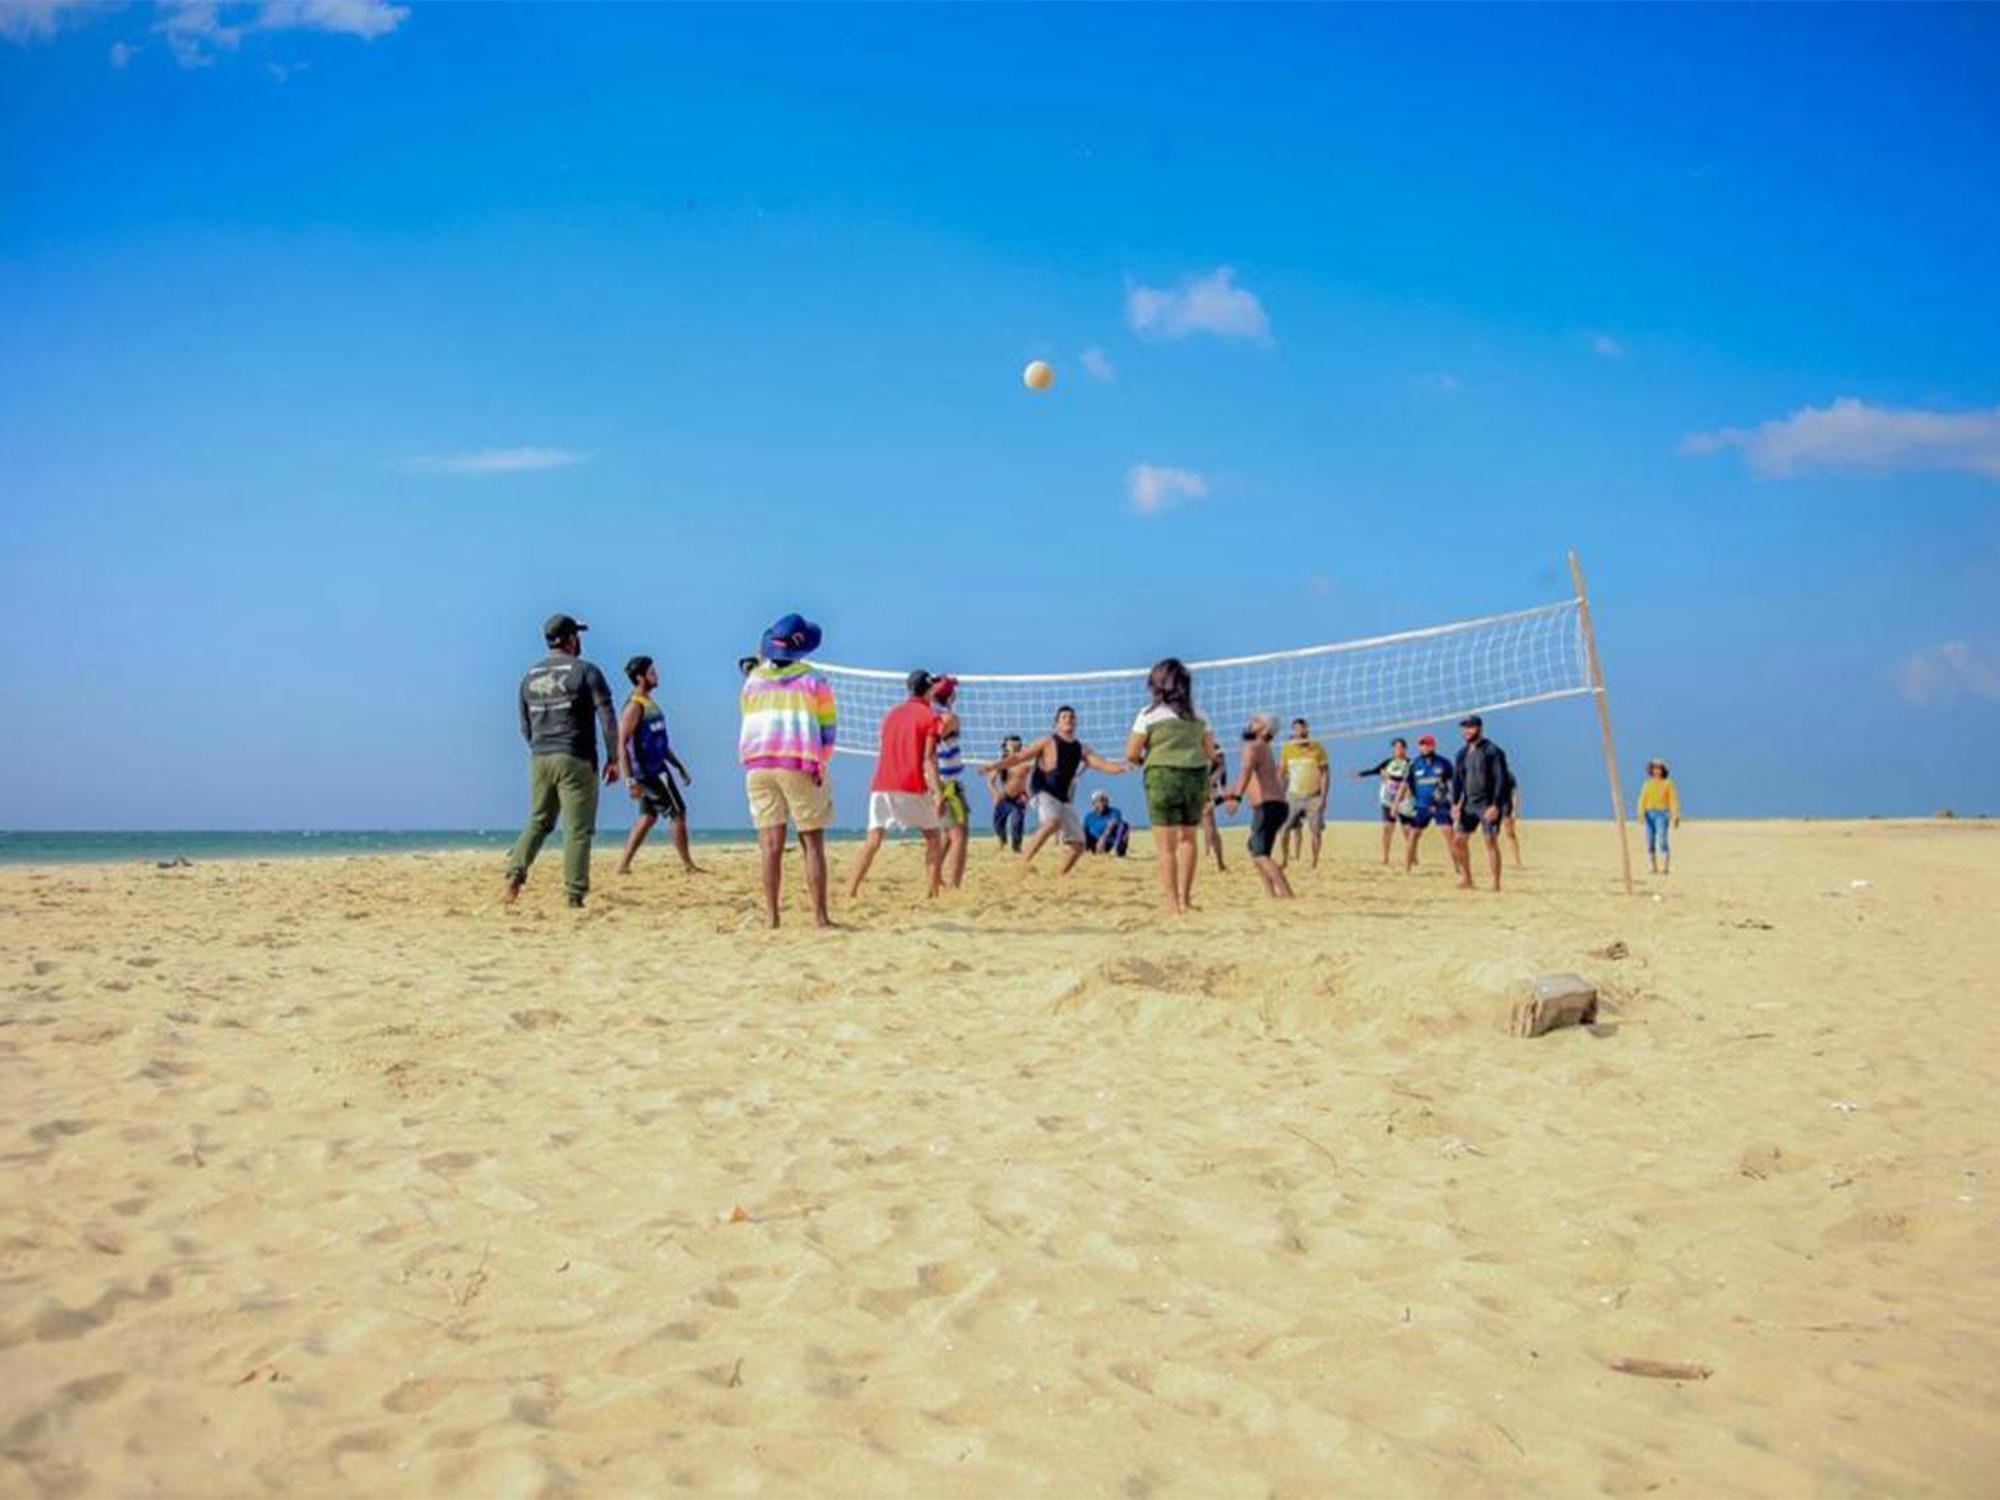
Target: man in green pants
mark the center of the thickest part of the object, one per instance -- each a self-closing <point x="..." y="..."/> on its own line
<point x="563" y="701"/>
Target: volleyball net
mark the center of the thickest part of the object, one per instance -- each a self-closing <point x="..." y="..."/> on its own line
<point x="1344" y="689"/>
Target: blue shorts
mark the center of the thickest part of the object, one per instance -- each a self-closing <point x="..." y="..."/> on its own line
<point x="1438" y="813"/>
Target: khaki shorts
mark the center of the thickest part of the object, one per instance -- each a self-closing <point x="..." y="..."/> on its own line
<point x="778" y="796"/>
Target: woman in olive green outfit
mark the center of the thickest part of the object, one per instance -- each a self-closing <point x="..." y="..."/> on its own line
<point x="1177" y="750"/>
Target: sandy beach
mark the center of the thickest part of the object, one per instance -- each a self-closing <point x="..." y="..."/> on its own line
<point x="333" y="1177"/>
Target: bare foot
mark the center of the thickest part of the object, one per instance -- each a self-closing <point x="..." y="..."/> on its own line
<point x="693" y="870"/>
<point x="510" y="892"/>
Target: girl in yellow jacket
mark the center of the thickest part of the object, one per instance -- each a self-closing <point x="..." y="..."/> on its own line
<point x="1660" y="806"/>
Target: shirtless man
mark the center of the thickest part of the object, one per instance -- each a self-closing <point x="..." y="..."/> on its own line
<point x="1057" y="758"/>
<point x="1264" y="783"/>
<point x="1010" y="796"/>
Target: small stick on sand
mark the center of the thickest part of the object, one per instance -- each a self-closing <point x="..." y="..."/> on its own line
<point x="1323" y="1151"/>
<point x="1661" y="1369"/>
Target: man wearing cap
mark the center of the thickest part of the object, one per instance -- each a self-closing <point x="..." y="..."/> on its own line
<point x="1429" y="781"/>
<point x="564" y="700"/>
<point x="1480" y="779"/>
<point x="785" y="744"/>
<point x="905" y="795"/>
<point x="1105" y="830"/>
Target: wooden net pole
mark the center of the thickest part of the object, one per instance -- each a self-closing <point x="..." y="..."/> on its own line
<point x="1603" y="717"/>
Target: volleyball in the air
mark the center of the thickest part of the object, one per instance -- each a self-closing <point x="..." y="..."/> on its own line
<point x="1039" y="375"/>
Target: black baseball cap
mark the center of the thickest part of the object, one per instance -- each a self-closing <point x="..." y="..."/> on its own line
<point x="1472" y="721"/>
<point x="555" y="627"/>
<point x="919" y="682"/>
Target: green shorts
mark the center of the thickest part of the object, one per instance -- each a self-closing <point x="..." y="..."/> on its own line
<point x="1176" y="795"/>
<point x="955" y="810"/>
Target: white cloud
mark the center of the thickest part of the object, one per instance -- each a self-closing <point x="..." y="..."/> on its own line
<point x="367" y="19"/>
<point x="1851" y="434"/>
<point x="193" y="30"/>
<point x="196" y="29"/>
<point x="1948" y="670"/>
<point x="1154" y="487"/>
<point x="1213" y="303"/>
<point x="1605" y="345"/>
<point x="1097" y="364"/>
<point x="498" y="461"/>
<point x="27" y="21"/>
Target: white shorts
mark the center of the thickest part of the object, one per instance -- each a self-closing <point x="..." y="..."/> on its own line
<point x="1052" y="809"/>
<point x="905" y="812"/>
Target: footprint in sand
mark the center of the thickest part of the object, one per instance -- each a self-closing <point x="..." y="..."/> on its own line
<point x="537" y="1020"/>
<point x="50" y="1131"/>
<point x="418" y="1394"/>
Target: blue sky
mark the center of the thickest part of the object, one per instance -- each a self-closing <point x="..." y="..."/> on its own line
<point x="347" y="340"/>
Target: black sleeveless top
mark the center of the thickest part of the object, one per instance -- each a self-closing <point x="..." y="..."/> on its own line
<point x="1060" y="782"/>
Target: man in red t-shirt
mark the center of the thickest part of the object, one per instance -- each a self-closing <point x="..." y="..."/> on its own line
<point x="906" y="794"/>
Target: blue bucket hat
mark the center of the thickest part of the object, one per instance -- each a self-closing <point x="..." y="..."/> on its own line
<point x="792" y="637"/>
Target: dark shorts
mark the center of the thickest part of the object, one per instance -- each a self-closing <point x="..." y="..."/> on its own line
<point x="1176" y="795"/>
<point x="1388" y="813"/>
<point x="660" y="797"/>
<point x="1267" y="825"/>
<point x="1438" y="813"/>
<point x="1472" y="820"/>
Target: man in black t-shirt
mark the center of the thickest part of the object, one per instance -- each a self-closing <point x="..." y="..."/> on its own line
<point x="563" y="701"/>
<point x="1481" y="782"/>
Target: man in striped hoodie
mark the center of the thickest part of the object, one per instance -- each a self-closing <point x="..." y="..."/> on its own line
<point x="787" y="740"/>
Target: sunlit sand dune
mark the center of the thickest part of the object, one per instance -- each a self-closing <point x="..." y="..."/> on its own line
<point x="335" y="1177"/>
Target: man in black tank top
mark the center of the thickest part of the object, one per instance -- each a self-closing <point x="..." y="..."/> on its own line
<point x="1059" y="758"/>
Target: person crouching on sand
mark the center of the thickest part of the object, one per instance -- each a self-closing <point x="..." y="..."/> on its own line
<point x="905" y="796"/>
<point x="646" y="756"/>
<point x="1261" y="780"/>
<point x="1105" y="830"/>
<point x="785" y="744"/>
<point x="1174" y="744"/>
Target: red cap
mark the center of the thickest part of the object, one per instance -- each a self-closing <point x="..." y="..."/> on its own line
<point x="1427" y="739"/>
<point x="944" y="688"/>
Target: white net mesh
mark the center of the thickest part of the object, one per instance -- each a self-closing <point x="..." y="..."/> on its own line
<point x="1345" y="689"/>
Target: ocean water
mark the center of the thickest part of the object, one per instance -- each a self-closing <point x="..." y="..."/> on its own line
<point x="111" y="847"/>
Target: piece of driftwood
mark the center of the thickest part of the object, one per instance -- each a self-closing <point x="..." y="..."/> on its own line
<point x="1553" y="1000"/>
<point x="1661" y="1369"/>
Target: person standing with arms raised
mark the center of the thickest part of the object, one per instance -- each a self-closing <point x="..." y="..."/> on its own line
<point x="1177" y="749"/>
<point x="564" y="701"/>
<point x="785" y="744"/>
<point x="1058" y="759"/>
